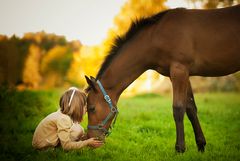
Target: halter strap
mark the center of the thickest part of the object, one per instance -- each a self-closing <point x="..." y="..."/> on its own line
<point x="113" y="112"/>
<point x="105" y="95"/>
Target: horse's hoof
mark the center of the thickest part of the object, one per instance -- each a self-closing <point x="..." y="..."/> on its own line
<point x="180" y="149"/>
<point x="201" y="147"/>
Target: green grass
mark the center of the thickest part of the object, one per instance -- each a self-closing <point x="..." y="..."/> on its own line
<point x="144" y="130"/>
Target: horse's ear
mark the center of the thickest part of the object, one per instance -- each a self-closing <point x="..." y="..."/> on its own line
<point x="91" y="83"/>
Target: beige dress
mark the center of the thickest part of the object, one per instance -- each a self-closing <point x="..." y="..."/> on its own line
<point x="58" y="127"/>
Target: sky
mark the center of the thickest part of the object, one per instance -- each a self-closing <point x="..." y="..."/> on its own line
<point x="84" y="20"/>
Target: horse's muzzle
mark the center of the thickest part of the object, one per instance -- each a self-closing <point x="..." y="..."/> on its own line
<point x="96" y="134"/>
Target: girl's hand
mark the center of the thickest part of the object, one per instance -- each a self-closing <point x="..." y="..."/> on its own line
<point x="83" y="137"/>
<point x="93" y="142"/>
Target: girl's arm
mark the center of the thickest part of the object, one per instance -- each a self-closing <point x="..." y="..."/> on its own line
<point x="64" y="125"/>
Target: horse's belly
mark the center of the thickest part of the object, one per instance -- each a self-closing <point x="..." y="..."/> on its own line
<point x="215" y="67"/>
<point x="217" y="58"/>
<point x="213" y="73"/>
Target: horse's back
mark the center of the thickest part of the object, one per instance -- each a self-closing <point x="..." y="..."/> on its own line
<point x="216" y="38"/>
<point x="207" y="40"/>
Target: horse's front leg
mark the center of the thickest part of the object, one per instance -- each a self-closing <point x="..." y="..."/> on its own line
<point x="192" y="115"/>
<point x="179" y="77"/>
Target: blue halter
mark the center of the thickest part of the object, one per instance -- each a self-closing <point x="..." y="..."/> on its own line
<point x="113" y="113"/>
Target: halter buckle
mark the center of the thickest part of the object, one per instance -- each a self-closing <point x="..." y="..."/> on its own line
<point x="100" y="126"/>
<point x="107" y="98"/>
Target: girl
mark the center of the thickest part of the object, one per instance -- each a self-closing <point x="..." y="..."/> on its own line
<point x="63" y="126"/>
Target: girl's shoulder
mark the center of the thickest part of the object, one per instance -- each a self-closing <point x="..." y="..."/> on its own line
<point x="63" y="117"/>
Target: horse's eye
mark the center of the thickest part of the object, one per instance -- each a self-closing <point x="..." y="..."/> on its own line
<point x="91" y="109"/>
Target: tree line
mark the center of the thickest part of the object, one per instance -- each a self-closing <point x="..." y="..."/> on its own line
<point x="43" y="60"/>
<point x="36" y="60"/>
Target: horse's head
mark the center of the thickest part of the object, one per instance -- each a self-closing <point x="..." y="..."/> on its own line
<point x="101" y="110"/>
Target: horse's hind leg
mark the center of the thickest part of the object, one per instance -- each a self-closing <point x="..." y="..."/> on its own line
<point x="179" y="77"/>
<point x="192" y="115"/>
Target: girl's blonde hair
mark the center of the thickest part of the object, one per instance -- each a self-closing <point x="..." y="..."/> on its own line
<point x="72" y="103"/>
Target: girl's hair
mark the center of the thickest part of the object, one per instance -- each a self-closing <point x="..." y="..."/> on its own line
<point x="72" y="103"/>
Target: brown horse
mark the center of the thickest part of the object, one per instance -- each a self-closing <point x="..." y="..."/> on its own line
<point x="177" y="43"/>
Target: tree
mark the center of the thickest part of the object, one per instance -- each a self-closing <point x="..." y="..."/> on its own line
<point x="89" y="58"/>
<point x="131" y="11"/>
<point x="54" y="66"/>
<point x="86" y="61"/>
<point x="22" y="58"/>
<point x="31" y="74"/>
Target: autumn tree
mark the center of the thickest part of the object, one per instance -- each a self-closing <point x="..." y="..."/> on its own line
<point x="86" y="61"/>
<point x="130" y="12"/>
<point x="44" y="40"/>
<point x="13" y="53"/>
<point x="21" y="60"/>
<point x="31" y="71"/>
<point x="89" y="58"/>
<point x="54" y="66"/>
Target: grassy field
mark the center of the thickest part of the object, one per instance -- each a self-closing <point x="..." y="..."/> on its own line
<point x="144" y="130"/>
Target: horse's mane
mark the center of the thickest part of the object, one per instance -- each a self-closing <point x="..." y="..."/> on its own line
<point x="120" y="41"/>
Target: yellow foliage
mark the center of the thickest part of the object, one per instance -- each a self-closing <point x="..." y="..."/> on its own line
<point x="131" y="11"/>
<point x="88" y="60"/>
<point x="55" y="65"/>
<point x="56" y="53"/>
<point x="52" y="81"/>
<point x="31" y="75"/>
<point x="136" y="9"/>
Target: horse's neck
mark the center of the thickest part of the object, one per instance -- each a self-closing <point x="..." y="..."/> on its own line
<point x="123" y="70"/>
